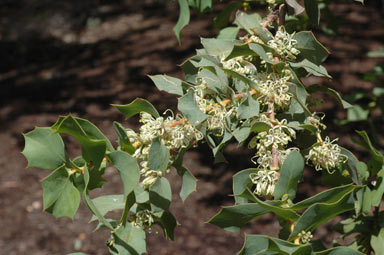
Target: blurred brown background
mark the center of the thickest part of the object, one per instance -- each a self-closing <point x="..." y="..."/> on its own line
<point x="60" y="57"/>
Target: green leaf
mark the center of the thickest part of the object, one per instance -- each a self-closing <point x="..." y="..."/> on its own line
<point x="91" y="206"/>
<point x="233" y="218"/>
<point x="241" y="133"/>
<point x="297" y="8"/>
<point x="160" y="193"/>
<point x="351" y="165"/>
<point x="285" y="213"/>
<point x="378" y="191"/>
<point x="188" y="107"/>
<point x="218" y="47"/>
<point x="137" y="106"/>
<point x="93" y="142"/>
<point x="264" y="245"/>
<point x="357" y="113"/>
<point x="313" y="11"/>
<point x="108" y="203"/>
<point x="339" y="251"/>
<point x="328" y="196"/>
<point x="168" y="223"/>
<point x="158" y="156"/>
<point x="222" y="19"/>
<point x="311" y="68"/>
<point x="367" y="200"/>
<point x="310" y="48"/>
<point x="241" y="182"/>
<point x="128" y="169"/>
<point x="44" y="149"/>
<point x="183" y="18"/>
<point x="252" y="24"/>
<point x="261" y="50"/>
<point x="188" y="182"/>
<point x="377" y="243"/>
<point x="128" y="240"/>
<point x="217" y="82"/>
<point x="290" y="174"/>
<point x="228" y="33"/>
<point x="366" y="143"/>
<point x="200" y="5"/>
<point x="331" y="92"/>
<point x="60" y="196"/>
<point x="320" y="213"/>
<point x="169" y="84"/>
<point x="125" y="144"/>
<point x="260" y="126"/>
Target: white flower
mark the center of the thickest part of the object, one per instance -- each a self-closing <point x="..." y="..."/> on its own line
<point x="180" y="136"/>
<point x="326" y="155"/>
<point x="216" y="112"/>
<point x="265" y="181"/>
<point x="284" y="44"/>
<point x="144" y="220"/>
<point x="273" y="87"/>
<point x="305" y="237"/>
<point x="152" y="127"/>
<point x="240" y="65"/>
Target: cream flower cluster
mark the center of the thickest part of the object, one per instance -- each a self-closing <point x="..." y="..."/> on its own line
<point x="284" y="44"/>
<point x="265" y="181"/>
<point x="326" y="155"/>
<point x="269" y="143"/>
<point x="144" y="220"/>
<point x="216" y="112"/>
<point x="174" y="137"/>
<point x="239" y="65"/>
<point x="305" y="237"/>
<point x="274" y="88"/>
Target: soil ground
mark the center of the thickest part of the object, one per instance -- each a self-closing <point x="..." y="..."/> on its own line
<point x="79" y="57"/>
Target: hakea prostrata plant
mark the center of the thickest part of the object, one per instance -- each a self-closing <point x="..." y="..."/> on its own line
<point x="244" y="87"/>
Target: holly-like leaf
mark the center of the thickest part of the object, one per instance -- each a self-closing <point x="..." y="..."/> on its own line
<point x="128" y="240"/>
<point x="331" y="92"/>
<point x="128" y="169"/>
<point x="310" y="48"/>
<point x="44" y="149"/>
<point x="188" y="182"/>
<point x="158" y="156"/>
<point x="222" y="19"/>
<point x="93" y="143"/>
<point x="241" y="182"/>
<point x="168" y="223"/>
<point x="313" y="11"/>
<point x="260" y="244"/>
<point x="183" y="20"/>
<point x="320" y="213"/>
<point x="60" y="196"/>
<point x="290" y="175"/>
<point x="339" y="251"/>
<point x="169" y="84"/>
<point x="228" y="33"/>
<point x="108" y="203"/>
<point x="249" y="108"/>
<point x="188" y="107"/>
<point x="218" y="47"/>
<point x="137" y="106"/>
<point x="233" y="218"/>
<point x="377" y="243"/>
<point x="252" y="24"/>
<point x="124" y="142"/>
<point x="160" y="194"/>
<point x="328" y="196"/>
<point x="311" y="68"/>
